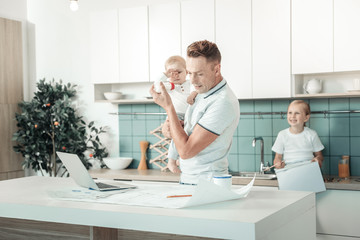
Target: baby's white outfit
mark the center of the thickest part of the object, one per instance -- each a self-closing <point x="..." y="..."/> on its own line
<point x="178" y="97"/>
<point x="297" y="147"/>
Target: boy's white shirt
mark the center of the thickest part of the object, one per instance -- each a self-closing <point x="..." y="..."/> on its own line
<point x="297" y="147"/>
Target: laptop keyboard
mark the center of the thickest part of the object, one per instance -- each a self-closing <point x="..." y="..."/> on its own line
<point x="104" y="185"/>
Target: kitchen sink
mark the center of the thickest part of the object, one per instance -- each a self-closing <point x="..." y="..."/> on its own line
<point x="263" y="176"/>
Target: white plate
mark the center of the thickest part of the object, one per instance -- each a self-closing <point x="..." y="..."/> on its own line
<point x="354" y="90"/>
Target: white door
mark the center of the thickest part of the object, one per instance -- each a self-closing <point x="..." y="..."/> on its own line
<point x="312" y="36"/>
<point x="104" y="47"/>
<point x="197" y="22"/>
<point x="164" y="36"/>
<point x="271" y="48"/>
<point x="346" y="35"/>
<point x="233" y="37"/>
<point x="133" y="44"/>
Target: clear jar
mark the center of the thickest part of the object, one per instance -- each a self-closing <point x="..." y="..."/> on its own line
<point x="343" y="166"/>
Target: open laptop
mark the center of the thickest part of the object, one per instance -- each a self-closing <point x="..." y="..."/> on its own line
<point x="82" y="177"/>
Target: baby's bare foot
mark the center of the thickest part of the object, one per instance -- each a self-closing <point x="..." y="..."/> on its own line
<point x="173" y="167"/>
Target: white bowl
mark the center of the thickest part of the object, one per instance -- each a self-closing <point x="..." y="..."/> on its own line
<point x="116" y="163"/>
<point x="113" y="95"/>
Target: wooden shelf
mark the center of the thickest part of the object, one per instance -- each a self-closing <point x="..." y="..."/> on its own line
<point x="328" y="95"/>
<point x="127" y="101"/>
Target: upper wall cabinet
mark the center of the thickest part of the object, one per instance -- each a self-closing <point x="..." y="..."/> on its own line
<point x="325" y="36"/>
<point x="346" y="35"/>
<point x="164" y="36"/>
<point x="233" y="37"/>
<point x="197" y="22"/>
<point x="312" y="36"/>
<point x="271" y="49"/>
<point x="133" y="44"/>
<point x="104" y="47"/>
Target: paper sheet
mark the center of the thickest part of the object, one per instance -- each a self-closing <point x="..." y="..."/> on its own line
<point x="155" y="194"/>
<point x="301" y="177"/>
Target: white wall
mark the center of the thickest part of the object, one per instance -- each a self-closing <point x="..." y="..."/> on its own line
<point x="60" y="49"/>
<point x="13" y="9"/>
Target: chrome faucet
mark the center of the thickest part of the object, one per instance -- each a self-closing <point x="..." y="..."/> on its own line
<point x="262" y="164"/>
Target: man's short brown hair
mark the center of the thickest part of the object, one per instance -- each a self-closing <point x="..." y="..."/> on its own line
<point x="206" y="49"/>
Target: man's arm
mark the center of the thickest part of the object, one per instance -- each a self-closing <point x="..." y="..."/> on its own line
<point x="187" y="146"/>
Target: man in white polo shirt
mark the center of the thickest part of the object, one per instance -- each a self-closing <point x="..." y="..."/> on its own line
<point x="204" y="142"/>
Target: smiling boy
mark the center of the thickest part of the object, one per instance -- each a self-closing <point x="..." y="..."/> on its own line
<point x="297" y="143"/>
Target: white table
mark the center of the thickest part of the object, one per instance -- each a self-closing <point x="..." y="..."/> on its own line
<point x="263" y="214"/>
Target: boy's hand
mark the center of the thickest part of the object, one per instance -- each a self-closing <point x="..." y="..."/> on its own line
<point x="165" y="130"/>
<point x="279" y="164"/>
<point x="190" y="100"/>
<point x="315" y="159"/>
<point x="318" y="157"/>
<point x="172" y="74"/>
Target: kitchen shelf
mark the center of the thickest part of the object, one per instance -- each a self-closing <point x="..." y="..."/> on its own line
<point x="334" y="84"/>
<point x="127" y="101"/>
<point x="328" y="95"/>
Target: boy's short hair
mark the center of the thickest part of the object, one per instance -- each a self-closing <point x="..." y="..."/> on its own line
<point x="305" y="105"/>
<point x="206" y="49"/>
<point x="176" y="59"/>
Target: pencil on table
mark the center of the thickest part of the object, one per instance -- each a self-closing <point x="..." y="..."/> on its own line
<point x="268" y="168"/>
<point x="174" y="196"/>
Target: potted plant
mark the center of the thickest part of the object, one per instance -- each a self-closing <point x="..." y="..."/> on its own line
<point x="50" y="123"/>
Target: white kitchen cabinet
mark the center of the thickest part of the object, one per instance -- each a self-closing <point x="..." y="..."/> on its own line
<point x="197" y="22"/>
<point x="337" y="214"/>
<point x="233" y="37"/>
<point x="271" y="49"/>
<point x="133" y="44"/>
<point x="164" y="36"/>
<point x="312" y="36"/>
<point x="104" y="47"/>
<point x="346" y="35"/>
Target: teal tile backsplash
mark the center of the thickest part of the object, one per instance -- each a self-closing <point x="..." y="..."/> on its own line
<point x="339" y="133"/>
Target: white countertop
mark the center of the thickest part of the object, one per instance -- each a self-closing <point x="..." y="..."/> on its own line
<point x="264" y="212"/>
<point x="335" y="183"/>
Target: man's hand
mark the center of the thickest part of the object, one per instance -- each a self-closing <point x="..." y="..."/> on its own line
<point x="162" y="99"/>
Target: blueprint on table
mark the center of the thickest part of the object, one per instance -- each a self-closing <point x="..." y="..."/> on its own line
<point x="152" y="194"/>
